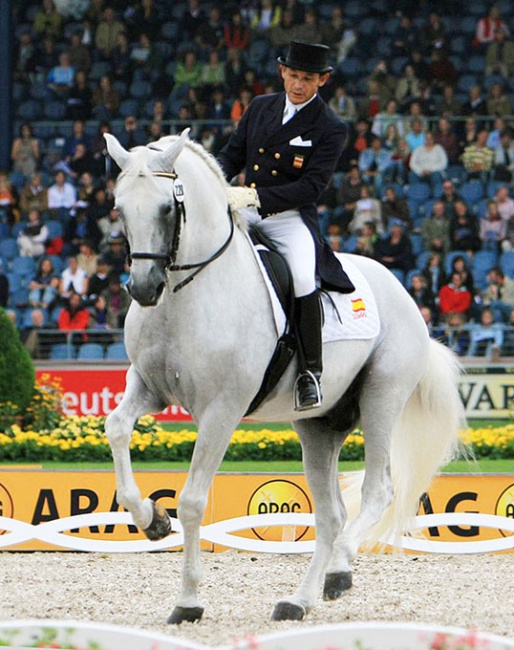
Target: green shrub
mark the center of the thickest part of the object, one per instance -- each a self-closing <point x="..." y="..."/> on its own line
<point x="17" y="376"/>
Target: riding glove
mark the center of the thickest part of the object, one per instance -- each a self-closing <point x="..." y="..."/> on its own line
<point x="242" y="197"/>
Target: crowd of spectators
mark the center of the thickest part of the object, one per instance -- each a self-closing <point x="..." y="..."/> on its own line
<point x="426" y="179"/>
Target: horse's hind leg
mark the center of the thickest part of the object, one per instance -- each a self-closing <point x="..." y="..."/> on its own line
<point x="321" y="448"/>
<point x="382" y="403"/>
<point x="119" y="425"/>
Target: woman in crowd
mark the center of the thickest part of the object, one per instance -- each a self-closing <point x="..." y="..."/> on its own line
<point x="25" y="152"/>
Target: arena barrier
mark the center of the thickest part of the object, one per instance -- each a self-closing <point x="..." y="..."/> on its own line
<point x="268" y="513"/>
<point x="96" y="389"/>
<point x="371" y="635"/>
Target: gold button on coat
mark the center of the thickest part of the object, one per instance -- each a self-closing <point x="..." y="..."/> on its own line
<point x="253" y="186"/>
<point x="255" y="168"/>
<point x="277" y="155"/>
<point x="261" y="150"/>
<point x="274" y="172"/>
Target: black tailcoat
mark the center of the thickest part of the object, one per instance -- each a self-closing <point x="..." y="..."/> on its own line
<point x="290" y="165"/>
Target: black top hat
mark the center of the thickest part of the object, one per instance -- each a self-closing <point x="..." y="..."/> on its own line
<point x="309" y="57"/>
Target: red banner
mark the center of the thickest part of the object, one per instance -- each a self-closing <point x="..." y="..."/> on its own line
<point x="97" y="391"/>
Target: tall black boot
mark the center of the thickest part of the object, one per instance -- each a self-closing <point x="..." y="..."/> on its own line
<point x="308" y="322"/>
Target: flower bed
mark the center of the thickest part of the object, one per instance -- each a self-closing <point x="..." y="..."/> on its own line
<point x="77" y="438"/>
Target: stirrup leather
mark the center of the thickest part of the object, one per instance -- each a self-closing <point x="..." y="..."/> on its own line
<point x="296" y="396"/>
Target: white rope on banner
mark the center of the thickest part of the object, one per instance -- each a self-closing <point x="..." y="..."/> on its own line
<point x="221" y="532"/>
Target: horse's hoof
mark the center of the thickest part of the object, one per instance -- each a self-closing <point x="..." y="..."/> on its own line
<point x="188" y="614"/>
<point x="336" y="584"/>
<point x="285" y="611"/>
<point x="160" y="526"/>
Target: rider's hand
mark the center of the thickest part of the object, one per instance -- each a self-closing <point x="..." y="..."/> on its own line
<point x="242" y="197"/>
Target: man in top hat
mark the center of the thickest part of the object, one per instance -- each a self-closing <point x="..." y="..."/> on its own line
<point x="289" y="144"/>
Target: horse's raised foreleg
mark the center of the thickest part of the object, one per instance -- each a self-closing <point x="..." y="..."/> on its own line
<point x="321" y="448"/>
<point x="214" y="432"/>
<point x="119" y="426"/>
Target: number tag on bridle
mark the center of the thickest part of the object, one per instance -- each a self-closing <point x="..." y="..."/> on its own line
<point x="178" y="190"/>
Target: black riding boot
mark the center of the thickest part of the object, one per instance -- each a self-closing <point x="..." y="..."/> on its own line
<point x="308" y="321"/>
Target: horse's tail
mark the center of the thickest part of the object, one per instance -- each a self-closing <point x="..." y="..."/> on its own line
<point x="424" y="439"/>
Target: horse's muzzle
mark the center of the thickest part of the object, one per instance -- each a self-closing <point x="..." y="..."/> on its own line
<point x="147" y="291"/>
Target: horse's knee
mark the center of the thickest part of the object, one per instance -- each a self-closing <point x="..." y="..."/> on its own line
<point x="116" y="430"/>
<point x="191" y="508"/>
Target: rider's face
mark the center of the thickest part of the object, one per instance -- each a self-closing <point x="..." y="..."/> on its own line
<point x="301" y="86"/>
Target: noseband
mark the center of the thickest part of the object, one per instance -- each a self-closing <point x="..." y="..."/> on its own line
<point x="169" y="259"/>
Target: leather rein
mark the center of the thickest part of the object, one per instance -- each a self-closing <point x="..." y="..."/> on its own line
<point x="169" y="259"/>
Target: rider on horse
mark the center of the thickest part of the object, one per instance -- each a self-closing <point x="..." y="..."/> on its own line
<point x="289" y="144"/>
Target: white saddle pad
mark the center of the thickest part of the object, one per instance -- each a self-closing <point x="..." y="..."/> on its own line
<point x="358" y="314"/>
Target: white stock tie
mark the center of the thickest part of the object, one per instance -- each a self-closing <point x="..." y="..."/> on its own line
<point x="289" y="113"/>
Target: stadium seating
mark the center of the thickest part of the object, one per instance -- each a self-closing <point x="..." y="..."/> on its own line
<point x="116" y="352"/>
<point x="90" y="352"/>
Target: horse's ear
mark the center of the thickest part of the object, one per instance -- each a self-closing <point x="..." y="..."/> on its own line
<point x="118" y="153"/>
<point x="165" y="160"/>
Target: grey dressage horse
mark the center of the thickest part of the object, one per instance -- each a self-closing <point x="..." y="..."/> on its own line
<point x="200" y="333"/>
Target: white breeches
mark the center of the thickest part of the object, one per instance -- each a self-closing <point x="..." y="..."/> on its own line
<point x="293" y="239"/>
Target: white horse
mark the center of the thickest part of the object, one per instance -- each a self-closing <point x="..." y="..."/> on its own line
<point x="206" y="344"/>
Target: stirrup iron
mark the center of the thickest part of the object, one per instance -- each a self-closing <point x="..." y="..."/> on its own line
<point x="315" y="381"/>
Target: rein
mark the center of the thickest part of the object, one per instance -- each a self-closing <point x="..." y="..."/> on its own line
<point x="169" y="259"/>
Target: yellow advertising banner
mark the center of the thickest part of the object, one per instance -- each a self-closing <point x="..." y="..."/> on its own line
<point x="77" y="510"/>
<point x="487" y="391"/>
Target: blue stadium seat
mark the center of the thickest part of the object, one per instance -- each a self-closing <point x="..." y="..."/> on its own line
<point x="481" y="263"/>
<point x="140" y="89"/>
<point x="15" y="282"/>
<point x="457" y="174"/>
<point x="476" y="64"/>
<point x="351" y="67"/>
<point x="99" y="69"/>
<point x="61" y="351"/>
<point x="391" y="25"/>
<point x="417" y="243"/>
<point x="24" y="266"/>
<point x="55" y="228"/>
<point x="481" y="208"/>
<point x="458" y="44"/>
<point x="491" y="80"/>
<point x="129" y="107"/>
<point x="491" y="188"/>
<point x="19" y="297"/>
<point x="29" y="110"/>
<point x="465" y="82"/>
<point x="398" y="65"/>
<point x="507" y="263"/>
<point x="422" y="259"/>
<point x="419" y="192"/>
<point x="54" y="110"/>
<point x="116" y="352"/>
<point x="90" y="351"/>
<point x="369" y="26"/>
<point x="472" y="192"/>
<point x="37" y="90"/>
<point x="5" y="231"/>
<point x="467" y="25"/>
<point x="9" y="250"/>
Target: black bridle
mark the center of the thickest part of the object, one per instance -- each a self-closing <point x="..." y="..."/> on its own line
<point x="169" y="259"/>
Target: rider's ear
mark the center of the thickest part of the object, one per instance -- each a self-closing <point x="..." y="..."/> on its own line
<point x="118" y="153"/>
